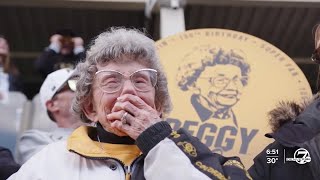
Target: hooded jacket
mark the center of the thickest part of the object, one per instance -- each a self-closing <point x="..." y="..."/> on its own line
<point x="159" y="154"/>
<point x="293" y="126"/>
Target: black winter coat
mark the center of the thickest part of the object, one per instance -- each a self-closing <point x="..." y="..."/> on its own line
<point x="294" y="126"/>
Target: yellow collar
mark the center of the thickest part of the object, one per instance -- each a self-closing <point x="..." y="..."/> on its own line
<point x="81" y="143"/>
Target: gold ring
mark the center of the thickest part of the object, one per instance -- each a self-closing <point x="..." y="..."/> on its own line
<point x="123" y="118"/>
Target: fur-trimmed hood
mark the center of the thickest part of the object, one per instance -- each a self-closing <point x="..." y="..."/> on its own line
<point x="298" y="125"/>
<point x="307" y="113"/>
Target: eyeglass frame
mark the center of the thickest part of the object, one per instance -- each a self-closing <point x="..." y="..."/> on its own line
<point x="226" y="84"/>
<point x="128" y="77"/>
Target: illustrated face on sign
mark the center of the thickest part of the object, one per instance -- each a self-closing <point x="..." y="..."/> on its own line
<point x="216" y="79"/>
<point x="221" y="85"/>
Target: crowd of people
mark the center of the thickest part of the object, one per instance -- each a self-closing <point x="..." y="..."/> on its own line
<point x="110" y="105"/>
<point x="65" y="50"/>
<point x="56" y="64"/>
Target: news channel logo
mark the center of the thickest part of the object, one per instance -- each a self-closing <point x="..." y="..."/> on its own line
<point x="300" y="156"/>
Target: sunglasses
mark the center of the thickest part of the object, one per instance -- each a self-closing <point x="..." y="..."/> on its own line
<point x="69" y="85"/>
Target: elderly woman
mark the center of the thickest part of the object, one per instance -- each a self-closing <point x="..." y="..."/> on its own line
<point x="123" y="90"/>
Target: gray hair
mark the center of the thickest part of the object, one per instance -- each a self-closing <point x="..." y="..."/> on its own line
<point x="110" y="46"/>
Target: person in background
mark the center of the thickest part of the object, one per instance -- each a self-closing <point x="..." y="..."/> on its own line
<point x="56" y="95"/>
<point x="9" y="74"/>
<point x="294" y="126"/>
<point x="7" y="164"/>
<point x="122" y="88"/>
<point x="64" y="51"/>
<point x="296" y="134"/>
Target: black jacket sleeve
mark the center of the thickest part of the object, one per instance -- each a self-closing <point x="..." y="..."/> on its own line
<point x="45" y="62"/>
<point x="7" y="164"/>
<point x="214" y="166"/>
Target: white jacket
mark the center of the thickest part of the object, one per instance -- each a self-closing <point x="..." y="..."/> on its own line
<point x="81" y="158"/>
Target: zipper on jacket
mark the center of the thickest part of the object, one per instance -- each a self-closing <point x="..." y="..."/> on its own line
<point x="127" y="170"/>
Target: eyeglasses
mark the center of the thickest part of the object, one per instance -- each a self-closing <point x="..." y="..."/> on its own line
<point x="72" y="83"/>
<point x="69" y="85"/>
<point x="222" y="82"/>
<point x="111" y="81"/>
<point x="316" y="56"/>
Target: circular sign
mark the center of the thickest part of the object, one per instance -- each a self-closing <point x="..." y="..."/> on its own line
<point x="223" y="83"/>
